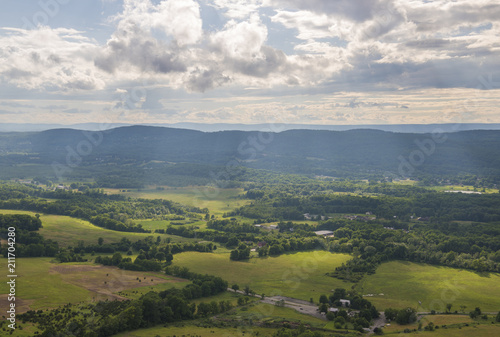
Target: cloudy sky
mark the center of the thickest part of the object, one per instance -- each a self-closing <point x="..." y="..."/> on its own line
<point x="250" y="61"/>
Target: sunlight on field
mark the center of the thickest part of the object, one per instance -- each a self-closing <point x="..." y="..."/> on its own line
<point x="217" y="200"/>
<point x="405" y="284"/>
<point x="300" y="275"/>
<point x="47" y="285"/>
<point x="465" y="188"/>
<point x="67" y="231"/>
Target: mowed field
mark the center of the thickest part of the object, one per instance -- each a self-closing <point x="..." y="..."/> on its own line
<point x="67" y="231"/>
<point x="299" y="275"/>
<point x="42" y="284"/>
<point x="217" y="200"/>
<point x="404" y="284"/>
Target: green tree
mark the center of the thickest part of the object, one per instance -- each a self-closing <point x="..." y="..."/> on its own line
<point x="235" y="255"/>
<point x="116" y="259"/>
<point x="323" y="307"/>
<point x="160" y="256"/>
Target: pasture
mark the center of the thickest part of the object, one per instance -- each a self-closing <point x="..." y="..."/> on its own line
<point x="41" y="284"/>
<point x="217" y="200"/>
<point x="404" y="284"/>
<point x="192" y="329"/>
<point x="270" y="313"/>
<point x="67" y="231"/>
<point x="300" y="275"/>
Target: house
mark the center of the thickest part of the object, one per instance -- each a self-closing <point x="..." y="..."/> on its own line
<point x="324" y="233"/>
<point x="345" y="303"/>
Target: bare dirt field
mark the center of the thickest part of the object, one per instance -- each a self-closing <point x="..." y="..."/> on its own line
<point x="104" y="281"/>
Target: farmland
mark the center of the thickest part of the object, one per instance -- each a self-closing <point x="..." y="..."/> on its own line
<point x="43" y="284"/>
<point x="299" y="275"/>
<point x="405" y="284"/>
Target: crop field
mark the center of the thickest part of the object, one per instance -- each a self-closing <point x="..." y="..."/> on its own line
<point x="68" y="231"/>
<point x="404" y="284"/>
<point x="300" y="275"/>
<point x="42" y="284"/>
<point x="217" y="200"/>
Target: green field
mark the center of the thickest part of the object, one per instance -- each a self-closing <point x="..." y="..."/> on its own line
<point x="193" y="330"/>
<point x="152" y="225"/>
<point x="404" y="284"/>
<point x="300" y="275"/>
<point x="271" y="313"/>
<point x="472" y="330"/>
<point x="42" y="284"/>
<point x="465" y="188"/>
<point x="448" y="325"/>
<point x="217" y="200"/>
<point x="67" y="231"/>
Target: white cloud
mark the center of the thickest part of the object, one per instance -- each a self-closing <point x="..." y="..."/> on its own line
<point x="50" y="59"/>
<point x="282" y="46"/>
<point x="237" y="9"/>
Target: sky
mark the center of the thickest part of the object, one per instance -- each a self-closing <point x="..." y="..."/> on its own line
<point x="331" y="62"/>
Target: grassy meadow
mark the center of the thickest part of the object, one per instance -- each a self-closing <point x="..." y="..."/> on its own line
<point x="300" y="275"/>
<point x="68" y="231"/>
<point x="404" y="284"/>
<point x="217" y="200"/>
<point x="42" y="284"/>
<point x="194" y="330"/>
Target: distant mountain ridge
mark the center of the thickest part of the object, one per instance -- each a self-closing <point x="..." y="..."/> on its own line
<point x="311" y="152"/>
<point x="403" y="128"/>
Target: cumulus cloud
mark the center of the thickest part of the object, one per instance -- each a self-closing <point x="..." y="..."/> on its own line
<point x="51" y="59"/>
<point x="237" y="9"/>
<point x="333" y="45"/>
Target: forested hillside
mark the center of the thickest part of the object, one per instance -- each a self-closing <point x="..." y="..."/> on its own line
<point x="154" y="151"/>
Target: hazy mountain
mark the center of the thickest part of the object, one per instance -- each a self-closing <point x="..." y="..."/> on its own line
<point x="317" y="152"/>
<point x="404" y="128"/>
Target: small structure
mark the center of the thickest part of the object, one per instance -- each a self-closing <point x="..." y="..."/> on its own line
<point x="324" y="233"/>
<point x="345" y="303"/>
<point x="333" y="309"/>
